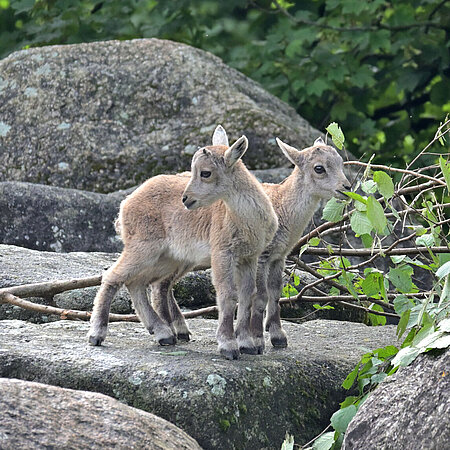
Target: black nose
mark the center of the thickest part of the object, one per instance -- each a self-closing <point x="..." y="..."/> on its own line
<point x="347" y="187"/>
<point x="184" y="198"/>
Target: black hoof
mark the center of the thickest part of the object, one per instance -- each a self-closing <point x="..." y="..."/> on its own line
<point x="260" y="350"/>
<point x="168" y="341"/>
<point x="279" y="343"/>
<point x="230" y="354"/>
<point x="95" y="341"/>
<point x="183" y="337"/>
<point x="249" y="350"/>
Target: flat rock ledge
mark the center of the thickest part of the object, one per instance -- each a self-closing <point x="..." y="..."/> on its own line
<point x="249" y="403"/>
<point x="35" y="415"/>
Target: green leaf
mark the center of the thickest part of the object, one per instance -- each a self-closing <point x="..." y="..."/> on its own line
<point x="321" y="308"/>
<point x="357" y="197"/>
<point x="371" y="284"/>
<point x="349" y="400"/>
<point x="324" y="442"/>
<point x="375" y="214"/>
<point x="378" y="378"/>
<point x="288" y="443"/>
<point x="314" y="242"/>
<point x="369" y="186"/>
<point x="333" y="210"/>
<point x="444" y="325"/>
<point x="403" y="323"/>
<point x="316" y="87"/>
<point x="360" y="223"/>
<point x="426" y="240"/>
<point x="367" y="240"/>
<point x="401" y="278"/>
<point x="405" y="356"/>
<point x="442" y="342"/>
<point x="384" y="183"/>
<point x="402" y="303"/>
<point x="386" y="352"/>
<point x="351" y="377"/>
<point x="336" y="134"/>
<point x="375" y="319"/>
<point x="341" y="418"/>
<point x="445" y="167"/>
<point x="443" y="270"/>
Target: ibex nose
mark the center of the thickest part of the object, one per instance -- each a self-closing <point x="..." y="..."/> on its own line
<point x="184" y="198"/>
<point x="347" y="187"/>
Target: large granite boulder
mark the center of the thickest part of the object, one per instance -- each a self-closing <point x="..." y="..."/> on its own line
<point x="69" y="220"/>
<point x="22" y="266"/>
<point x="409" y="410"/>
<point x="57" y="219"/>
<point x="248" y="403"/>
<point x="105" y="116"/>
<point x="35" y="415"/>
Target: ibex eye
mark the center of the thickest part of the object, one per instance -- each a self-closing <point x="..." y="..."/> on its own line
<point x="319" y="169"/>
<point x="205" y="173"/>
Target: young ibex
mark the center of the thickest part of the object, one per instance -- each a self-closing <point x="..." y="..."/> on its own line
<point x="318" y="175"/>
<point x="227" y="220"/>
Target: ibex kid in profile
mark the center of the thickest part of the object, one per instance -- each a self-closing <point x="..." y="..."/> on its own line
<point x="227" y="220"/>
<point x="317" y="175"/>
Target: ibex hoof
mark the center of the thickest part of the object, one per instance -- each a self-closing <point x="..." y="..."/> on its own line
<point x="230" y="354"/>
<point x="183" y="337"/>
<point x="95" y="341"/>
<point x="279" y="342"/>
<point x="249" y="350"/>
<point x="168" y="341"/>
<point x="260" y="349"/>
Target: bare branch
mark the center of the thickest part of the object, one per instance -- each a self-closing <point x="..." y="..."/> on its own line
<point x="73" y="314"/>
<point x="369" y="252"/>
<point x="394" y="169"/>
<point x="51" y="288"/>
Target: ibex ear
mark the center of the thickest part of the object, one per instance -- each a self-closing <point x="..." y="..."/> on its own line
<point x="291" y="153"/>
<point x="319" y="141"/>
<point x="235" y="152"/>
<point x="220" y="136"/>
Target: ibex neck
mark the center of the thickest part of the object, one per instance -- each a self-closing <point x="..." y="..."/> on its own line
<point x="248" y="204"/>
<point x="299" y="203"/>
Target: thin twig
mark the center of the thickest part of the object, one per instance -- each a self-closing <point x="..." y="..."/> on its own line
<point x="394" y="169"/>
<point x="370" y="252"/>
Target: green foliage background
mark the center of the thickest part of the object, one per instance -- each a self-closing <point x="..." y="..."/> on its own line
<point x="381" y="69"/>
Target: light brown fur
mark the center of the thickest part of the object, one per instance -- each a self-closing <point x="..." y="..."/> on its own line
<point x="163" y="240"/>
<point x="295" y="201"/>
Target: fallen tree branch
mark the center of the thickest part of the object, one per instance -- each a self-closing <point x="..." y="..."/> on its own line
<point x="73" y="314"/>
<point x="51" y="288"/>
<point x="6" y="297"/>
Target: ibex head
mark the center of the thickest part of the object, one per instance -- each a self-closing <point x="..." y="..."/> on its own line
<point x="212" y="171"/>
<point x="321" y="167"/>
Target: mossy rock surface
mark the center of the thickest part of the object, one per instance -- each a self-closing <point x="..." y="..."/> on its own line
<point x="108" y="115"/>
<point x="249" y="403"/>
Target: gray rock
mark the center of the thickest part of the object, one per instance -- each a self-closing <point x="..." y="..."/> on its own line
<point x="69" y="220"/>
<point x="105" y="116"/>
<point x="22" y="266"/>
<point x="35" y="415"/>
<point x="57" y="219"/>
<point x="409" y="410"/>
<point x="249" y="403"/>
